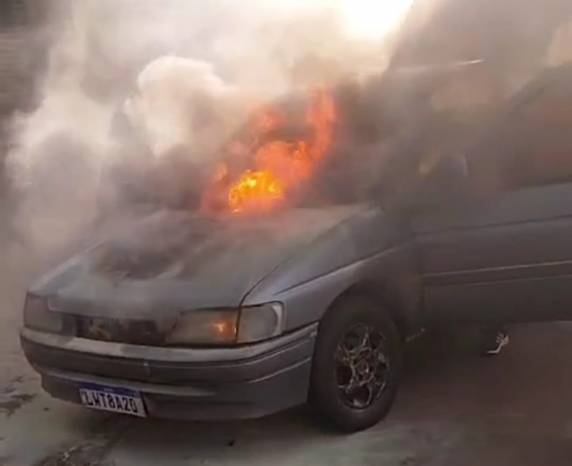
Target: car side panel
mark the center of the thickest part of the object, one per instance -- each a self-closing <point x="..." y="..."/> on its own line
<point x="504" y="260"/>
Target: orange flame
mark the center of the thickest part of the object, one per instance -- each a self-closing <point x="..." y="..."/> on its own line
<point x="258" y="190"/>
<point x="279" y="166"/>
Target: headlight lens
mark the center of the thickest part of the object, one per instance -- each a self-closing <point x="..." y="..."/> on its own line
<point x="225" y="327"/>
<point x="260" y="322"/>
<point x="37" y="316"/>
<point x="210" y="327"/>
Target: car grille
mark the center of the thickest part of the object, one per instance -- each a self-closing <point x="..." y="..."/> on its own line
<point x="136" y="332"/>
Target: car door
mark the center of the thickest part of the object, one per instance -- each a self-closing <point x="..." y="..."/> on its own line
<point x="508" y="256"/>
<point x="503" y="259"/>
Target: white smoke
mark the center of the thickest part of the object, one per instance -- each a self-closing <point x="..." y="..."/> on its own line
<point x="181" y="102"/>
<point x="184" y="73"/>
<point x="560" y="49"/>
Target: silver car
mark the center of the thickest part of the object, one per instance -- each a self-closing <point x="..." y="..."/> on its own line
<point x="186" y="316"/>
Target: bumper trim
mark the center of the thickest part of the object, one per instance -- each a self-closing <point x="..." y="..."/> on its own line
<point x="77" y="378"/>
<point x="161" y="389"/>
<point x="162" y="354"/>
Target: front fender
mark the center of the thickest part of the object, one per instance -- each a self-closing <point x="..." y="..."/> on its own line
<point x="392" y="273"/>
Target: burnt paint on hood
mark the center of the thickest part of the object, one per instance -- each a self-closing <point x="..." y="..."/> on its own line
<point x="172" y="262"/>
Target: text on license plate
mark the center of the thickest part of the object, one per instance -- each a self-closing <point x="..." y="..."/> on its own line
<point x="114" y="399"/>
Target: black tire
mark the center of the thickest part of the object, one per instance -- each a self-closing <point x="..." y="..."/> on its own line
<point x="346" y="317"/>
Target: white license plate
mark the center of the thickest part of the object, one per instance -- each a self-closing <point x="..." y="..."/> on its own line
<point x="114" y="399"/>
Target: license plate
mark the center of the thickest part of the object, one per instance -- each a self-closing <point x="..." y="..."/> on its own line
<point x="114" y="399"/>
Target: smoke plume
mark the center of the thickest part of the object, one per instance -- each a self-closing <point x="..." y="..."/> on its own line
<point x="133" y="90"/>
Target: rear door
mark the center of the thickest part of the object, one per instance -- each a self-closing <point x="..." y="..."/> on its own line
<point x="509" y="257"/>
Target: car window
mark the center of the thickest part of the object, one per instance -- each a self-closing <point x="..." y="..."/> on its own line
<point x="538" y="139"/>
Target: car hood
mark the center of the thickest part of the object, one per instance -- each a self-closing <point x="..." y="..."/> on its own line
<point x="173" y="262"/>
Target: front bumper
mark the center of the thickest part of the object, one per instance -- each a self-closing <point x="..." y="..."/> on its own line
<point x="200" y="384"/>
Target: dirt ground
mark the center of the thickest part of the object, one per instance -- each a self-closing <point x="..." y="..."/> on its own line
<point x="455" y="408"/>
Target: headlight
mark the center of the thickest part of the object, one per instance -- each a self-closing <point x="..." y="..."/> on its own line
<point x="260" y="322"/>
<point x="225" y="327"/>
<point x="37" y="316"/>
<point x="209" y="327"/>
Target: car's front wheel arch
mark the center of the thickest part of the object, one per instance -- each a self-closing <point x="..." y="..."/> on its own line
<point x="381" y="294"/>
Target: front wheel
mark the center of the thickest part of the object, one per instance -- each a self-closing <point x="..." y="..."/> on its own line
<point x="357" y="362"/>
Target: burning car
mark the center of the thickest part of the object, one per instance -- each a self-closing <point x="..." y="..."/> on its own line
<point x="263" y="297"/>
<point x="214" y="312"/>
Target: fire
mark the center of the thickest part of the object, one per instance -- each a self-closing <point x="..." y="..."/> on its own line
<point x="277" y="166"/>
<point x="258" y="190"/>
